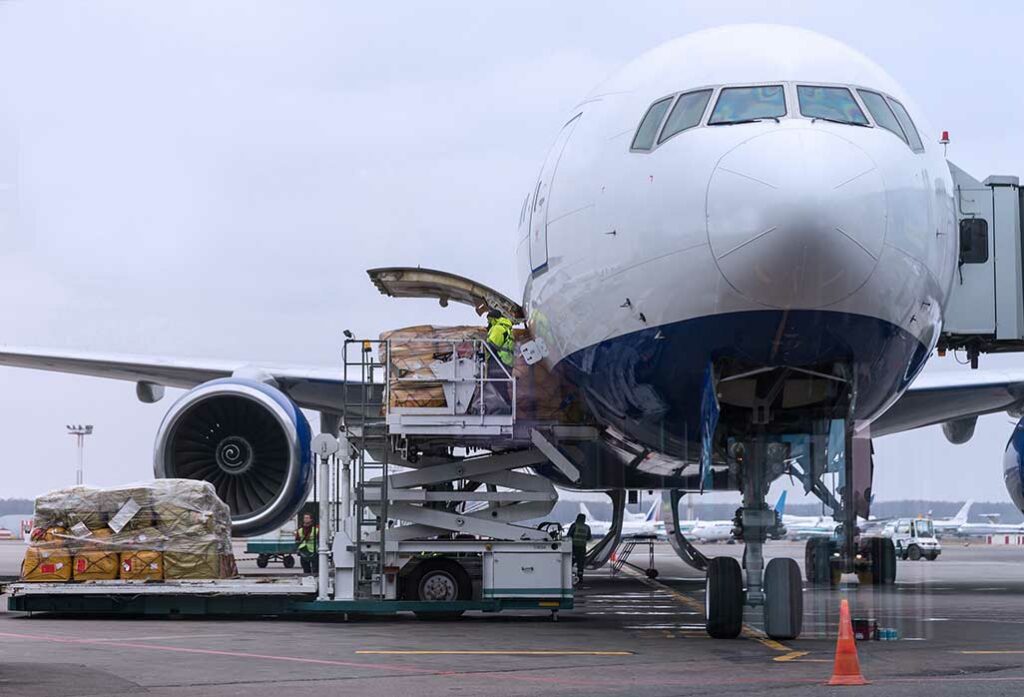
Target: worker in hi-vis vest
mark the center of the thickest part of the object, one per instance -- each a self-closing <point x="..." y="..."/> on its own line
<point x="307" y="536"/>
<point x="502" y="354"/>
<point x="579" y="532"/>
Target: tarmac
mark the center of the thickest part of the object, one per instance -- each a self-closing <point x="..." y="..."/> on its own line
<point x="960" y="621"/>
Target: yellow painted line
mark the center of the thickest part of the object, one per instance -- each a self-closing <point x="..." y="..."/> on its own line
<point x="770" y="643"/>
<point x="792" y="655"/>
<point x="477" y="652"/>
<point x="993" y="652"/>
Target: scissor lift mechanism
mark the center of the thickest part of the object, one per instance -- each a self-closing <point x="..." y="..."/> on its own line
<point x="409" y="508"/>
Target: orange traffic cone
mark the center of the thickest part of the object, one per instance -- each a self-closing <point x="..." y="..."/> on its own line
<point x="847" y="666"/>
<point x="615" y="554"/>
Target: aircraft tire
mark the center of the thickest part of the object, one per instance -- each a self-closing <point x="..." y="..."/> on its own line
<point x="817" y="554"/>
<point x="783" y="599"/>
<point x="723" y="599"/>
<point x="883" y="561"/>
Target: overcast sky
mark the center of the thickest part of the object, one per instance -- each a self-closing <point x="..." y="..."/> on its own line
<point x="213" y="179"/>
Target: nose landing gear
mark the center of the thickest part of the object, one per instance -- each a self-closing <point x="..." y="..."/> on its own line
<point x="777" y="590"/>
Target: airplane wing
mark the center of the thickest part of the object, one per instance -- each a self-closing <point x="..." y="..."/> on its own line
<point x="319" y="388"/>
<point x="939" y="397"/>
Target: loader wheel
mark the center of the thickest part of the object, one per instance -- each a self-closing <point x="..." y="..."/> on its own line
<point x="817" y="566"/>
<point x="439" y="580"/>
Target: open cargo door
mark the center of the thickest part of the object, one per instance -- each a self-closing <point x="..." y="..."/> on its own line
<point x="414" y="282"/>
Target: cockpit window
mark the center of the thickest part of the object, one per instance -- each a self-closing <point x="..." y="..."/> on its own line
<point x="745" y="104"/>
<point x="830" y="104"/>
<point x="687" y="113"/>
<point x="644" y="138"/>
<point x="908" y="126"/>
<point x="881" y="112"/>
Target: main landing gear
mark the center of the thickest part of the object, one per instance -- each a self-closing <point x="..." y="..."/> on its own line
<point x="873" y="559"/>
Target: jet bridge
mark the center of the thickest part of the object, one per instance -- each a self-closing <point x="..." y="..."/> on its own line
<point x="985" y="310"/>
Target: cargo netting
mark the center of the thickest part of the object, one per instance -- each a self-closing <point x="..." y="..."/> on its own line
<point x="167" y="529"/>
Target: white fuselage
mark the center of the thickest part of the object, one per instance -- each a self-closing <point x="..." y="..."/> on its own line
<point x="786" y="241"/>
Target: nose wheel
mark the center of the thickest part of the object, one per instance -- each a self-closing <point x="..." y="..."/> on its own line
<point x="723" y="598"/>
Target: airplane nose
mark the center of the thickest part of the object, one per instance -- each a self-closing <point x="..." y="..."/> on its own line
<point x="796" y="218"/>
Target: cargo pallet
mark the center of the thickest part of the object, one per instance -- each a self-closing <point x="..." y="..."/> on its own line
<point x="246" y="597"/>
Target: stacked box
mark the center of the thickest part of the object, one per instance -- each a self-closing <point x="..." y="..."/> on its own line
<point x="142" y="565"/>
<point x="95" y="565"/>
<point x="170" y="528"/>
<point x="46" y="565"/>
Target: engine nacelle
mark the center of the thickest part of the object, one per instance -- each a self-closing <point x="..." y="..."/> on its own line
<point x="960" y="431"/>
<point x="246" y="438"/>
<point x="1013" y="465"/>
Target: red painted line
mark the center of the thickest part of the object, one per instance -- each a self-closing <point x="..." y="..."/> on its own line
<point x="216" y="652"/>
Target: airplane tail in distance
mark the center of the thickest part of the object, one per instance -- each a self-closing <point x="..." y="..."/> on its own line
<point x="780" y="507"/>
<point x="961" y="515"/>
<point x="585" y="511"/>
<point x="654" y="512"/>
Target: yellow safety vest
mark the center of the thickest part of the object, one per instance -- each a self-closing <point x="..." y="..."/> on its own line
<point x="501" y="338"/>
<point x="308" y="543"/>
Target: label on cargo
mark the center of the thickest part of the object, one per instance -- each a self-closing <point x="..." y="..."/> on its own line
<point x="80" y="529"/>
<point x="81" y="565"/>
<point x="128" y="510"/>
<point x="48" y="568"/>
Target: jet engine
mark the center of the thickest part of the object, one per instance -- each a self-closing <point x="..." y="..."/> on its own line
<point x="246" y="438"/>
<point x="960" y="431"/>
<point x="1013" y="465"/>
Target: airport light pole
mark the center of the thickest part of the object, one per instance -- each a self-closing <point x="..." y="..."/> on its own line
<point x="80" y="432"/>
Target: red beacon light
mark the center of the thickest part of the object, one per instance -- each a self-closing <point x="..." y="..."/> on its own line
<point x="945" y="138"/>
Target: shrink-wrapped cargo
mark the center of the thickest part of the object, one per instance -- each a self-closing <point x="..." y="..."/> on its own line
<point x="142" y="565"/>
<point x="197" y="560"/>
<point x="46" y="565"/>
<point x="95" y="565"/>
<point x="133" y="529"/>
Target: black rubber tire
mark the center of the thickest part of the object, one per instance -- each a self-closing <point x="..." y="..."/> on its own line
<point x="262" y="561"/>
<point x="914" y="553"/>
<point x="448" y="567"/>
<point x="883" y="561"/>
<point x="817" y="554"/>
<point x="783" y="599"/>
<point x="931" y="556"/>
<point x="288" y="561"/>
<point x="723" y="599"/>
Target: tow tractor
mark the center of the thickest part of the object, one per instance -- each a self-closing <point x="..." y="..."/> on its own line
<point x="914" y="538"/>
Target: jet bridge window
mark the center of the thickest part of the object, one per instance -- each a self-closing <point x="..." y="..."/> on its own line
<point x="746" y="104"/>
<point x="973" y="241"/>
<point x="687" y="113"/>
<point x="908" y="126"/>
<point x="881" y="113"/>
<point x="830" y="104"/>
<point x="644" y="138"/>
